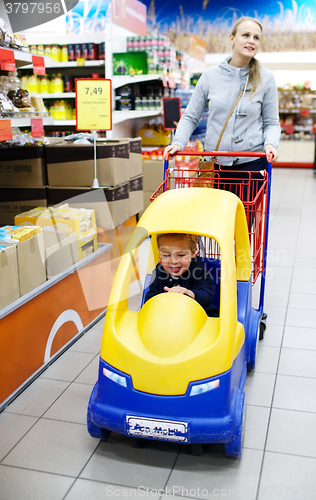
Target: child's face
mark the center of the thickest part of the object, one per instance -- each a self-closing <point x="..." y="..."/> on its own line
<point x="175" y="255"/>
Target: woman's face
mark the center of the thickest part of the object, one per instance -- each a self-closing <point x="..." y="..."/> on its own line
<point x="246" y="42"/>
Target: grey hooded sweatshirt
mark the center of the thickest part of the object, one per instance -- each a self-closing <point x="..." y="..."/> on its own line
<point x="218" y="89"/>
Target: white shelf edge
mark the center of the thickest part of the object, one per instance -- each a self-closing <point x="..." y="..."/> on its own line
<point x="120" y="81"/>
<point x="57" y="95"/>
<point x="63" y="123"/>
<point x="70" y="64"/>
<point x="24" y="58"/>
<point x="25" y="121"/>
<point x="121" y="116"/>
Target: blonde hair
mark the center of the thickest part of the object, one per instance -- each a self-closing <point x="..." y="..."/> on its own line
<point x="192" y="239"/>
<point x="254" y="65"/>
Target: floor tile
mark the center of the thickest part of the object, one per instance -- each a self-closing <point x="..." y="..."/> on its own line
<point x="90" y="374"/>
<point x="259" y="388"/>
<point x="72" y="405"/>
<point x="68" y="366"/>
<point x="292" y="432"/>
<point x="93" y="490"/>
<point x="38" y="397"/>
<point x="267" y="358"/>
<point x="305" y="263"/>
<point x="297" y="362"/>
<point x="53" y="446"/>
<point x="287" y="477"/>
<point x="215" y="471"/>
<point x="12" y="429"/>
<point x="276" y="314"/>
<point x="256" y="426"/>
<point x="294" y="393"/>
<point x="302" y="300"/>
<point x="22" y="484"/>
<point x="273" y="335"/>
<point x="301" y="317"/>
<point x="299" y="338"/>
<point x="89" y="342"/>
<point x="117" y="462"/>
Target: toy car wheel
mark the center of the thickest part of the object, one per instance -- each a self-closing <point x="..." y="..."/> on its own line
<point x="94" y="430"/>
<point x="196" y="449"/>
<point x="234" y="447"/>
<point x="138" y="442"/>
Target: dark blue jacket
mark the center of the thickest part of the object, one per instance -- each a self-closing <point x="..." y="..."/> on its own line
<point x="197" y="279"/>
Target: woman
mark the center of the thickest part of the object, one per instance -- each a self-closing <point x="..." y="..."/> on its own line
<point x="254" y="125"/>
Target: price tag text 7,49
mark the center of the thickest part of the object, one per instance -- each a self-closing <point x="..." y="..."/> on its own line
<point x="95" y="90"/>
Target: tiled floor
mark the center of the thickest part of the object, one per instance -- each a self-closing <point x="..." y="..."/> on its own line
<point x="46" y="452"/>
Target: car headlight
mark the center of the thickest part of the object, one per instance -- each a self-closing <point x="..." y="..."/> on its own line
<point x="205" y="387"/>
<point x="118" y="379"/>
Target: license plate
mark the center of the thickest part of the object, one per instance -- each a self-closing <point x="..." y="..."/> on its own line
<point x="166" y="430"/>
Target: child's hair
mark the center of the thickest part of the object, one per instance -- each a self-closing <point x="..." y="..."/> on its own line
<point x="192" y="239"/>
<point x="254" y="65"/>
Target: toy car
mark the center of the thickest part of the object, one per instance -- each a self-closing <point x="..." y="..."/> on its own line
<point x="168" y="371"/>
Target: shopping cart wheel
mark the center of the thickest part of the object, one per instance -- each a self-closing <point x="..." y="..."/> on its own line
<point x="263" y="326"/>
<point x="196" y="449"/>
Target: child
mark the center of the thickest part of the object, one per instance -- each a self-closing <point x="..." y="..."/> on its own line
<point x="181" y="271"/>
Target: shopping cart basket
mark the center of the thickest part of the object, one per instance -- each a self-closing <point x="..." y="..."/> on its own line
<point x="252" y="190"/>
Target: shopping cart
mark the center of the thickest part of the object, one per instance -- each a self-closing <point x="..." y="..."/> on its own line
<point x="253" y="191"/>
<point x="168" y="371"/>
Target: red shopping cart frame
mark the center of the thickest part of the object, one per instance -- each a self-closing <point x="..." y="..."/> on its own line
<point x="252" y="192"/>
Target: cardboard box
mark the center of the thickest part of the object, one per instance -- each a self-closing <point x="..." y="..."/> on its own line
<point x="135" y="157"/>
<point x="136" y="203"/>
<point x="23" y="166"/>
<point x="31" y="263"/>
<point x="153" y="171"/>
<point x="73" y="164"/>
<point x="64" y="226"/>
<point x="111" y="205"/>
<point x="61" y="252"/>
<point x="15" y="200"/>
<point x="9" y="276"/>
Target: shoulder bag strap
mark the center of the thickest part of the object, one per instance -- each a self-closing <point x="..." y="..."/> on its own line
<point x="227" y="119"/>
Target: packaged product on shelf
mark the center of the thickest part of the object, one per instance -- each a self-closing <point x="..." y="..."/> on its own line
<point x="38" y="104"/>
<point x="71" y="52"/>
<point x="65" y="220"/>
<point x="64" y="53"/>
<point x="154" y="135"/>
<point x="130" y="63"/>
<point x="55" y="53"/>
<point x="19" y="233"/>
<point x="9" y="82"/>
<point x="7" y="39"/>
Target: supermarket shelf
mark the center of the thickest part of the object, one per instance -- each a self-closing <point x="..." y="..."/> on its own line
<point x="70" y="64"/>
<point x="120" y="81"/>
<point x="57" y="95"/>
<point x="24" y="121"/>
<point x="23" y="58"/>
<point x="122" y="116"/>
<point x="64" y="123"/>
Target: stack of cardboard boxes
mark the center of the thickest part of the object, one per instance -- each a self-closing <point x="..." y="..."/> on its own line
<point x="23" y="181"/>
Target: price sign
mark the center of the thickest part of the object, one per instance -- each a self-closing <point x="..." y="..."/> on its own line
<point x="93" y="104"/>
<point x="7" y="60"/>
<point x="5" y="130"/>
<point x="38" y="65"/>
<point x="37" y="127"/>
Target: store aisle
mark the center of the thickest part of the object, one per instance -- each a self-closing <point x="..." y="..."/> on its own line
<point x="46" y="452"/>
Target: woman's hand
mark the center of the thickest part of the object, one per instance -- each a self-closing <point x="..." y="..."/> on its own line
<point x="271" y="149"/>
<point x="171" y="150"/>
<point x="180" y="289"/>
